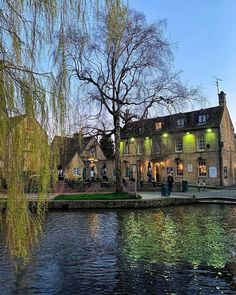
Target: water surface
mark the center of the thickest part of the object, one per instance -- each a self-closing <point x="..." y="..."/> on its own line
<point x="175" y="250"/>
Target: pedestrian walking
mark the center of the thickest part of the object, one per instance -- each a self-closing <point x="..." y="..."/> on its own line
<point x="170" y="181"/>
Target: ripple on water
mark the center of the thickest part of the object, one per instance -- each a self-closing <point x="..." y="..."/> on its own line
<point x="182" y="250"/>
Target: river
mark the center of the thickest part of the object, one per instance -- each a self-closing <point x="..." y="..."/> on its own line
<point x="172" y="250"/>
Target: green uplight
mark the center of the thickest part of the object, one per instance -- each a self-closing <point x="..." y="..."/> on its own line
<point x="132" y="139"/>
<point x="187" y="133"/>
<point x="147" y="138"/>
<point x="165" y="135"/>
<point x="209" y="130"/>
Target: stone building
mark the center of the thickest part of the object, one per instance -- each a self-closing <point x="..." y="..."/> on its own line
<point x="20" y="151"/>
<point x="77" y="156"/>
<point x="197" y="146"/>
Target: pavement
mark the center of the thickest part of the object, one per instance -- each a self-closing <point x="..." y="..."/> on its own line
<point x="224" y="194"/>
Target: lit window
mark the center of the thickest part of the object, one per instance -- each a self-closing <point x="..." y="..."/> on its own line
<point x="201" y="145"/>
<point x="203" y="118"/>
<point x="202" y="169"/>
<point x="179" y="169"/>
<point x="179" y="145"/>
<point x="180" y="122"/>
<point x="127" y="149"/>
<point x="140" y="149"/>
<point x="158" y="125"/>
<point x="76" y="171"/>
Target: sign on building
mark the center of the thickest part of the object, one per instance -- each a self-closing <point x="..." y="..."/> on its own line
<point x="169" y="169"/>
<point x="190" y="168"/>
<point x="212" y="171"/>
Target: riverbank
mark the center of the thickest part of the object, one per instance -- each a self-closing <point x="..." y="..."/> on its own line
<point x="149" y="200"/>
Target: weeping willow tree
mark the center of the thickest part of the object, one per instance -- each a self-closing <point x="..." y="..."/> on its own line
<point x="33" y="94"/>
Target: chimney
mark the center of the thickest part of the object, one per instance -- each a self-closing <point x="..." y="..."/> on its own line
<point x="78" y="137"/>
<point x="222" y="99"/>
<point x="127" y="116"/>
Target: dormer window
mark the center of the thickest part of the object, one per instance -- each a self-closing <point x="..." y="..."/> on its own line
<point x="140" y="129"/>
<point x="180" y="122"/>
<point x="203" y="118"/>
<point x="158" y="125"/>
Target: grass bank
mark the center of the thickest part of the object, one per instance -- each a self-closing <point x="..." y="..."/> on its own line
<point x="99" y="196"/>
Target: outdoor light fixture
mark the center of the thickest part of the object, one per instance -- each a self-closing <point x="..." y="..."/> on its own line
<point x="132" y="139"/>
<point x="165" y="135"/>
<point x="209" y="130"/>
<point x="187" y="133"/>
<point x="147" y="138"/>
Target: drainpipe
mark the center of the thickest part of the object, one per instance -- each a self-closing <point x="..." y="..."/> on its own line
<point x="220" y="158"/>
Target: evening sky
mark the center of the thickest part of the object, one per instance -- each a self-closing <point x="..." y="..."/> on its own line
<point x="205" y="34"/>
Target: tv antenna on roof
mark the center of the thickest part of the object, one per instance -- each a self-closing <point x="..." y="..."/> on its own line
<point x="217" y="83"/>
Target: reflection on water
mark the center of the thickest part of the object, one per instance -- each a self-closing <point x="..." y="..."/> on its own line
<point x="182" y="250"/>
<point x="182" y="234"/>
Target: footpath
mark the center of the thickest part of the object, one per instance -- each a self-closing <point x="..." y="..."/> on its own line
<point x="211" y="195"/>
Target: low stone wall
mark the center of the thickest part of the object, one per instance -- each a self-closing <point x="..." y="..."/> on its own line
<point x="125" y="204"/>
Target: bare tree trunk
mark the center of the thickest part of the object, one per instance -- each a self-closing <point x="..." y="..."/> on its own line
<point x="119" y="187"/>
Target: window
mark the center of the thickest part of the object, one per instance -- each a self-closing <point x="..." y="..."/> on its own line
<point x="201" y="145"/>
<point x="180" y="122"/>
<point x="127" y="149"/>
<point x="179" y="169"/>
<point x="203" y="118"/>
<point x="140" y="149"/>
<point x="127" y="171"/>
<point x="202" y="170"/>
<point x="140" y="129"/>
<point x="158" y="125"/>
<point x="76" y="171"/>
<point x="225" y="172"/>
<point x="179" y="145"/>
<point x="156" y="146"/>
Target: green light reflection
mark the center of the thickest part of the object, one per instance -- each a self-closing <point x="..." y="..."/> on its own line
<point x="180" y="235"/>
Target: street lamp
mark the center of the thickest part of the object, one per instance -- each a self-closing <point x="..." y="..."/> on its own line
<point x="134" y="167"/>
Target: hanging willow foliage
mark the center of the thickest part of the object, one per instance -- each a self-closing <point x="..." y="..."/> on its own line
<point x="34" y="94"/>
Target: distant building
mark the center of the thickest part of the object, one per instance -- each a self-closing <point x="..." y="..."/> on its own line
<point x="197" y="146"/>
<point x="79" y="157"/>
<point x="21" y="150"/>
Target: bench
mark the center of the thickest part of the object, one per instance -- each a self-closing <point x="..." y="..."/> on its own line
<point x="105" y="184"/>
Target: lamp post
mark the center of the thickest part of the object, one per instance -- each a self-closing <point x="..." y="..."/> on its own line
<point x="134" y="169"/>
<point x="134" y="166"/>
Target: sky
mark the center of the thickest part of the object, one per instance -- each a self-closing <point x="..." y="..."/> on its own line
<point x="205" y="34"/>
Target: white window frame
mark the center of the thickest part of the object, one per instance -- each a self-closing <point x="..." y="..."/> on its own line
<point x="178" y="144"/>
<point x="156" y="146"/>
<point x="127" y="149"/>
<point x="200" y="173"/>
<point x="180" y="122"/>
<point x="203" y="118"/>
<point x="201" y="143"/>
<point x="139" y="149"/>
<point x="76" y="171"/>
<point x="158" y="125"/>
<point x="141" y="129"/>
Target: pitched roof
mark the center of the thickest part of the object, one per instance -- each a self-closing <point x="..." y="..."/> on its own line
<point x="14" y="121"/>
<point x="68" y="147"/>
<point x="146" y="127"/>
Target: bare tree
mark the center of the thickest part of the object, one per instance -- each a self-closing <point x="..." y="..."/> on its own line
<point x="127" y="67"/>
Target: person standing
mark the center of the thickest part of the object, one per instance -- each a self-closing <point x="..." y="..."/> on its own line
<point x="170" y="181"/>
